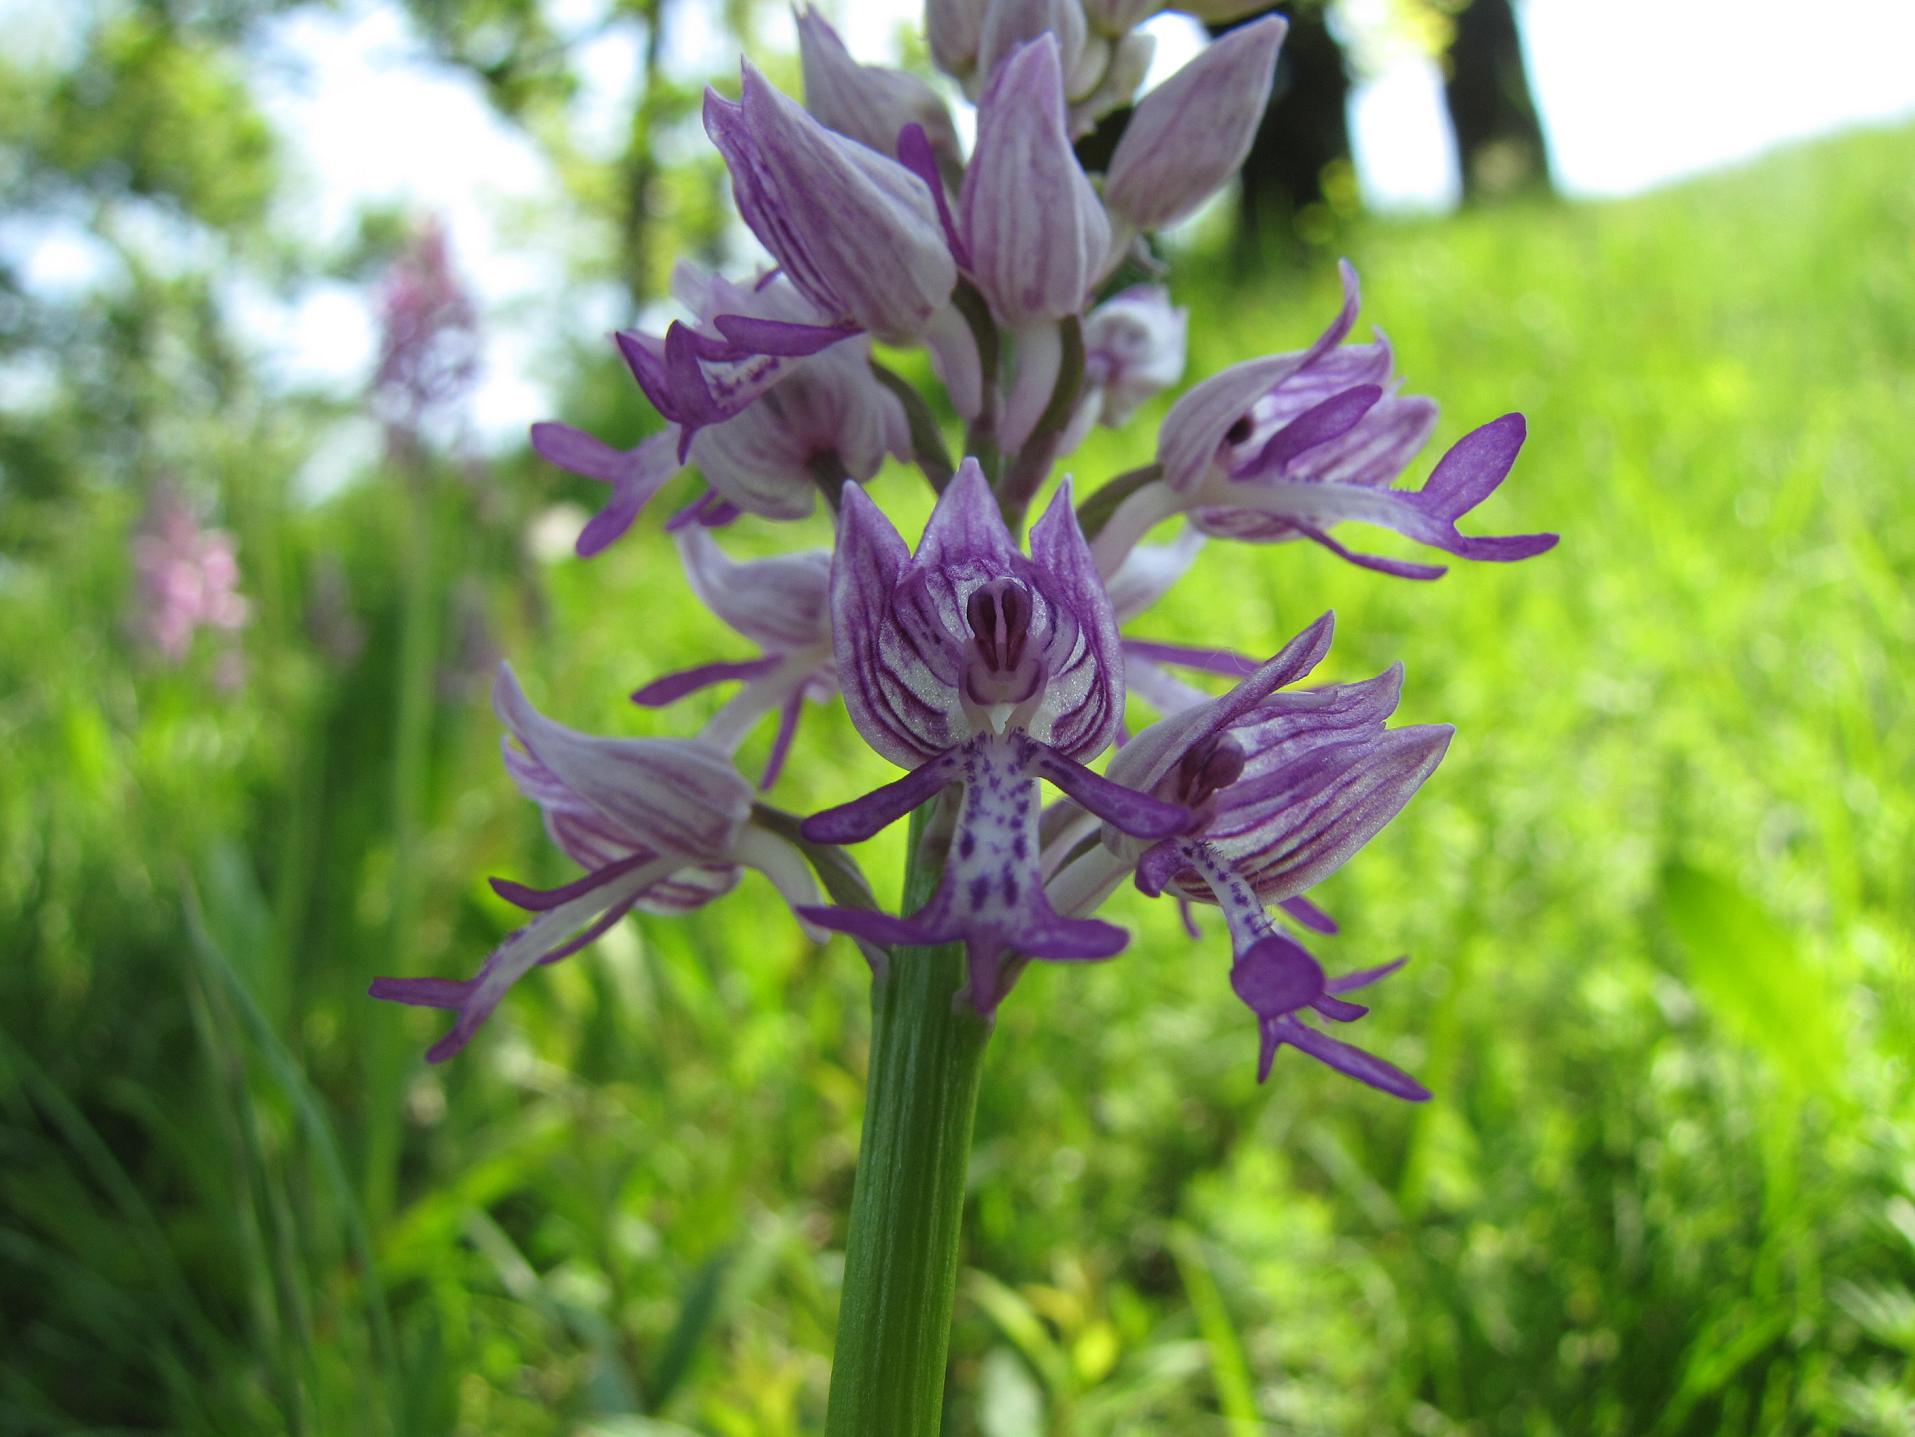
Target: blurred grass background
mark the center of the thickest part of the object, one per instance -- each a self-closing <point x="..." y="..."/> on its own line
<point x="1658" y="897"/>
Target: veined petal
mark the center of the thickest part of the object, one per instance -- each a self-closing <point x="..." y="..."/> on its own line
<point x="1188" y="136"/>
<point x="677" y="796"/>
<point x="1307" y="820"/>
<point x="1080" y="725"/>
<point x="853" y="229"/>
<point x="868" y="103"/>
<point x="1033" y="227"/>
<point x="1199" y="422"/>
<point x="864" y="575"/>
<point x="1151" y="755"/>
<point x="966" y="526"/>
<point x="779" y="603"/>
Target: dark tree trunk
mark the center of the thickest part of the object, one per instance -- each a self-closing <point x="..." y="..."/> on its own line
<point x="640" y="161"/>
<point x="1499" y="142"/>
<point x="1305" y="131"/>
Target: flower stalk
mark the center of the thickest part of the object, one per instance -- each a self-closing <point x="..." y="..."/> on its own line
<point x="907" y="1203"/>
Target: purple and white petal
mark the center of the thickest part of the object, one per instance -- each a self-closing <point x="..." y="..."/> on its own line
<point x="677" y="796"/>
<point x="868" y="103"/>
<point x="779" y="603"/>
<point x="852" y="229"/>
<point x="1200" y="423"/>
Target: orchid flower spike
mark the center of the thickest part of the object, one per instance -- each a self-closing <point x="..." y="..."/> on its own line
<point x="970" y="664"/>
<point x="659" y="824"/>
<point x="982" y="669"/>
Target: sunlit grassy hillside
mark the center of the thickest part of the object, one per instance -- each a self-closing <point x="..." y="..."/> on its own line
<point x="1658" y="898"/>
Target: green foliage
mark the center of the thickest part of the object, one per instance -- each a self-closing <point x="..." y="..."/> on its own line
<point x="152" y="112"/>
<point x="1658" y="896"/>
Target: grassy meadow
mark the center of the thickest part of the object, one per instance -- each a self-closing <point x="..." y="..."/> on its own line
<point x="1658" y="899"/>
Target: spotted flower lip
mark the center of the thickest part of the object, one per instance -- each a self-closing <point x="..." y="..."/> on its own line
<point x="662" y="824"/>
<point x="902" y="626"/>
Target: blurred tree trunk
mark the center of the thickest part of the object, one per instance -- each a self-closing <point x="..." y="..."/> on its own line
<point x="1499" y="141"/>
<point x="640" y="161"/>
<point x="1305" y="134"/>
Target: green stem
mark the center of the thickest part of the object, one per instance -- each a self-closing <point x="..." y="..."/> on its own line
<point x="907" y="1206"/>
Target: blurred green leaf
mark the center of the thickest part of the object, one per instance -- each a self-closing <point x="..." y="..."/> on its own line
<point x="1753" y="974"/>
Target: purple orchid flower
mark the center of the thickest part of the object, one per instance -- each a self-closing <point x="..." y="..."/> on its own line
<point x="971" y="664"/>
<point x="780" y="604"/>
<point x="1289" y="446"/>
<point x="1285" y="788"/>
<point x="797" y="411"/>
<point x="661" y="824"/>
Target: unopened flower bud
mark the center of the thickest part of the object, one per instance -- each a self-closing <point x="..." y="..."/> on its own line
<point x="1134" y="350"/>
<point x="870" y="103"/>
<point x="954" y="28"/>
<point x="857" y="233"/>
<point x="1190" y="134"/>
<point x="1010" y="24"/>
<point x="1031" y="223"/>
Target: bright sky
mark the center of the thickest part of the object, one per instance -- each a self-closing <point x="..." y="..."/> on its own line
<point x="1634" y="93"/>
